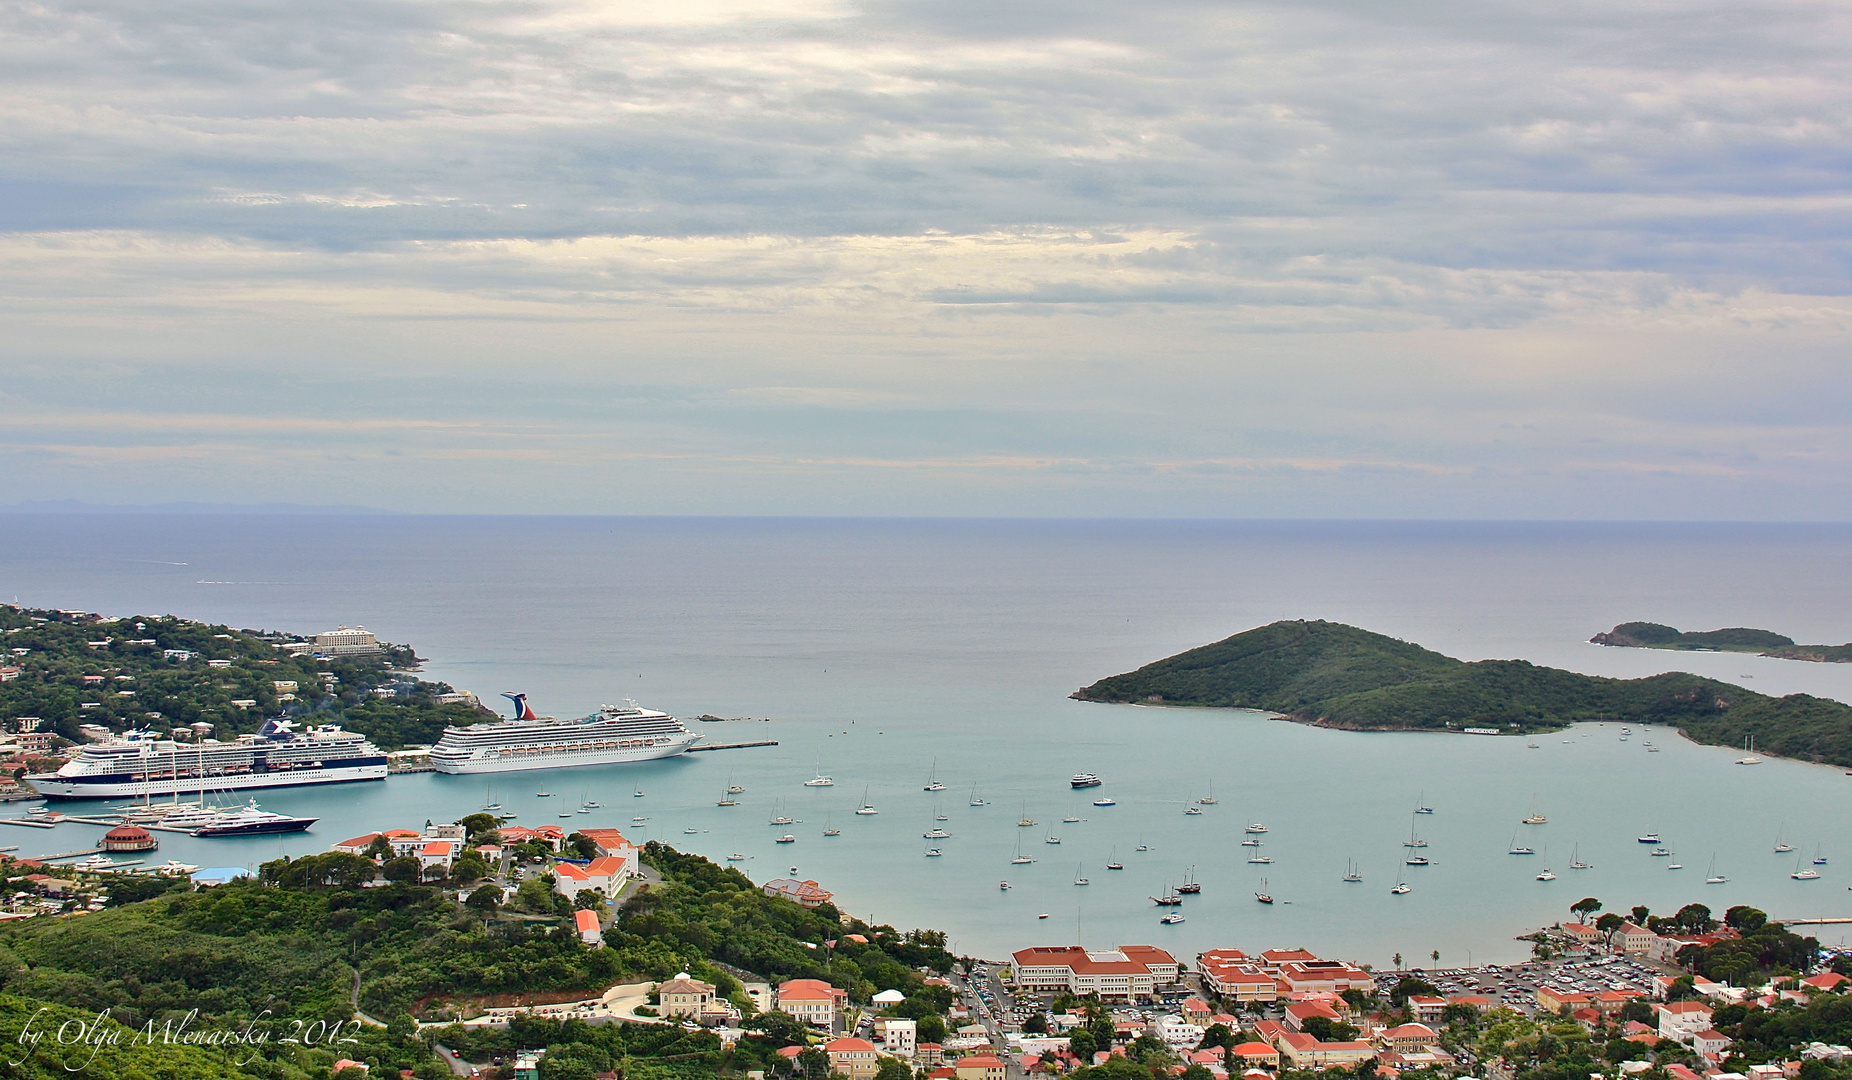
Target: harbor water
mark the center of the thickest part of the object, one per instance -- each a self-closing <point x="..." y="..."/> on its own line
<point x="885" y="653"/>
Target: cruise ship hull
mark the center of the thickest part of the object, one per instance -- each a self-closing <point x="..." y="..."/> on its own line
<point x="54" y="786"/>
<point x="530" y="762"/>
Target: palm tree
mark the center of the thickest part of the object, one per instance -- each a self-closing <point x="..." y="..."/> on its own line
<point x="1398" y="961"/>
<point x="1436" y="955"/>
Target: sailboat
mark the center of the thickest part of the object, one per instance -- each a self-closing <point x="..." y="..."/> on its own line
<point x="1112" y="861"/>
<point x="1575" y="859"/>
<point x="1263" y="895"/>
<point x="1424" y="808"/>
<point x="829" y="829"/>
<point x="1209" y="799"/>
<point x="1190" y="886"/>
<point x="1548" y="874"/>
<point x="1809" y="874"/>
<point x="1711" y="876"/>
<point x="1026" y="822"/>
<point x="1402" y="888"/>
<point x="1257" y="857"/>
<point x="727" y="799"/>
<point x="1167" y="898"/>
<point x="867" y="807"/>
<point x="586" y="802"/>
<point x="1782" y="847"/>
<point x="975" y="801"/>
<point x="1517" y="850"/>
<point x="781" y="818"/>
<point x="1818" y="859"/>
<point x="1352" y="873"/>
<point x="820" y="780"/>
<point x="1535" y="818"/>
<point x="1413" y="841"/>
<point x="1051" y="838"/>
<point x="637" y="794"/>
<point x="1749" y="752"/>
<point x="733" y="788"/>
<point x="488" y="799"/>
<point x="1020" y="859"/>
<point x="1079" y="878"/>
<point x="932" y="781"/>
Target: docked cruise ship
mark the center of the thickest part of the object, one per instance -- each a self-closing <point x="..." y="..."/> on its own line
<point x="612" y="735"/>
<point x="141" y="764"/>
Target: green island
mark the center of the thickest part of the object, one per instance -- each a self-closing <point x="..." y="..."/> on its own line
<point x="1650" y="635"/>
<point x="68" y="668"/>
<point x="1339" y="676"/>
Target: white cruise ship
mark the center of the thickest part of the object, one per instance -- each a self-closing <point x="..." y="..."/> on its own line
<point x="141" y="764"/>
<point x="612" y="735"/>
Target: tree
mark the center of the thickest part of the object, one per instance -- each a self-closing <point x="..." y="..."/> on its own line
<point x="931" y="1028"/>
<point x="1694" y="917"/>
<point x="1194" y="1072"/>
<point x="485" y="899"/>
<point x="468" y="867"/>
<point x="582" y="846"/>
<point x="1584" y="907"/>
<point x="893" y="1069"/>
<point x="782" y="1029"/>
<point x="588" y="900"/>
<point x="812" y="1064"/>
<point x="1745" y="919"/>
<point x="1035" y="1025"/>
<point x="1640" y="914"/>
<point x="1609" y="923"/>
<point x="479" y="823"/>
<point x="1398" y="961"/>
<point x="403" y="868"/>
<point x="1355" y="998"/>
<point x="379" y="849"/>
<point x="1217" y="1035"/>
<point x="1435" y="956"/>
<point x="1080" y="1043"/>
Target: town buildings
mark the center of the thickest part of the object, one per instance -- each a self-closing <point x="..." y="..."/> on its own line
<point x="813" y="1001"/>
<point x="1131" y="973"/>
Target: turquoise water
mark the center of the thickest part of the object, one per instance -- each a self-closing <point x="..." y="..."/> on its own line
<point x="878" y="647"/>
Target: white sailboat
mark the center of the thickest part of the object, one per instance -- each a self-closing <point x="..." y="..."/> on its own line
<point x="1112" y="860"/>
<point x="1711" y="876"/>
<point x="1749" y="752"/>
<point x="975" y="801"/>
<point x="932" y="780"/>
<point x="1020" y="859"/>
<point x="1080" y="878"/>
<point x="867" y="807"/>
<point x="1575" y="859"/>
<point x="1807" y="874"/>
<point x="1548" y="874"/>
<point x="1351" y="871"/>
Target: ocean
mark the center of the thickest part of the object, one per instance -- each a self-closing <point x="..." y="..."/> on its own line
<point x="882" y="652"/>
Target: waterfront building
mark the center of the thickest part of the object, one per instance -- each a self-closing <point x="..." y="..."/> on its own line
<point x="856" y="1059"/>
<point x="342" y="641"/>
<point x="1634" y="940"/>
<point x="1581" y="932"/>
<point x="802" y="893"/>
<point x="1334" y="976"/>
<point x="1427" y="1008"/>
<point x="813" y="1001"/>
<point x="586" y="922"/>
<point x="1126" y="974"/>
<point x="1238" y="982"/>
<point x="1552" y="1000"/>
<point x="551" y="835"/>
<point x="127" y="838"/>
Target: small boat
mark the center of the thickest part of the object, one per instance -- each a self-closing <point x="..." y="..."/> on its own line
<point x="1351" y="873"/>
<point x="1711" y="876"/>
<point x="782" y="818"/>
<point x="1534" y="746"/>
<point x="1659" y="852"/>
<point x="488" y="800"/>
<point x="638" y="820"/>
<point x="1051" y="839"/>
<point x="1535" y="819"/>
<point x="1547" y="875"/>
<point x="1649" y="838"/>
<point x="786" y="839"/>
<point x="1190" y="886"/>
<point x="1401" y="888"/>
<point x="1020" y="859"/>
<point x="829" y="829"/>
<point x="565" y="813"/>
<point x="1575" y="859"/>
<point x="933" y="853"/>
<point x="1257" y="827"/>
<point x="1192" y="810"/>
<point x="727" y="800"/>
<point x="1257" y="857"/>
<point x="1416" y="860"/>
<point x="1079" y="878"/>
<point x="173" y="867"/>
<point x="1003" y="885"/>
<point x="1675" y="866"/>
<point x="1112" y="860"/>
<point x="733" y="788"/>
<point x="1168" y="898"/>
<point x="1749" y="757"/>
<point x="1069" y="820"/>
<point x="585" y="809"/>
<point x="1413" y="841"/>
<point x="736" y="857"/>
<point x="1209" y="799"/>
<point x="975" y="801"/>
<point x="932" y="780"/>
<point x="1818" y="859"/>
<point x="867" y="807"/>
<point x="1251" y="842"/>
<point x="936" y="834"/>
<point x="1782" y="847"/>
<point x="691" y="832"/>
<point x="543" y="794"/>
<point x="637" y="794"/>
<point x="1043" y="915"/>
<point x="1172" y="919"/>
<point x="1084" y="780"/>
<point x="1109" y="801"/>
<point x="1516" y="849"/>
<point x="1142" y="847"/>
<point x="1806" y="874"/>
<point x="821" y="780"/>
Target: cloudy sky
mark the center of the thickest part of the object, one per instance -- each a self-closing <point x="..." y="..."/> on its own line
<point x="1347" y="258"/>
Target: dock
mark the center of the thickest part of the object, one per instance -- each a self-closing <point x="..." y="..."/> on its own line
<point x="28" y="823"/>
<point x="395" y="768"/>
<point x="732" y="745"/>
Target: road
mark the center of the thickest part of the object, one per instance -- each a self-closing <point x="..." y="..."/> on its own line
<point x="458" y="1067"/>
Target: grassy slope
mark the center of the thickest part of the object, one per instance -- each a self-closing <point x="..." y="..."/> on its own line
<point x="1341" y="676"/>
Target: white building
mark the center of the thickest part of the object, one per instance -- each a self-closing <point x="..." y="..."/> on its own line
<point x="1133" y="972"/>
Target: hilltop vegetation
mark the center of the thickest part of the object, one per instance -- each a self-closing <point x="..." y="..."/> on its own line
<point x="1648" y="635"/>
<point x="133" y="681"/>
<point x="1340" y="676"/>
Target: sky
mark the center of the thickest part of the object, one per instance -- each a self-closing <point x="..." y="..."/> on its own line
<point x="1420" y="259"/>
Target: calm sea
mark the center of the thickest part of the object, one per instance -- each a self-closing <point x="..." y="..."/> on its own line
<point x="881" y="651"/>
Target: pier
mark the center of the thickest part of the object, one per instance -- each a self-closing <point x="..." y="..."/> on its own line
<point x="732" y="745"/>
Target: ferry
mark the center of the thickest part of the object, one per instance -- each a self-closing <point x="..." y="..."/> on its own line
<point x="140" y="764"/>
<point x="612" y="735"/>
<point x="1084" y="780"/>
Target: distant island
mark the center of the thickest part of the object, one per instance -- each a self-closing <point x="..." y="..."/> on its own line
<point x="1648" y="635"/>
<point x="1339" y="676"/>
